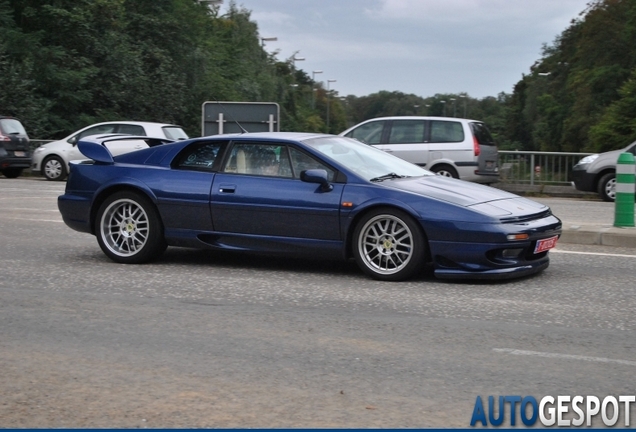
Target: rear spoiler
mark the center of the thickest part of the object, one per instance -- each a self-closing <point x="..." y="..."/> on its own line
<point x="92" y="146"/>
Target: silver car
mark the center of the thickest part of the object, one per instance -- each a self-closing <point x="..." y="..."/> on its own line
<point x="597" y="173"/>
<point x="448" y="146"/>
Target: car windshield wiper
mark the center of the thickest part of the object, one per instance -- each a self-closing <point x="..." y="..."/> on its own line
<point x="387" y="177"/>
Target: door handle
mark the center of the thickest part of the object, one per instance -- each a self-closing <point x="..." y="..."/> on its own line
<point x="227" y="188"/>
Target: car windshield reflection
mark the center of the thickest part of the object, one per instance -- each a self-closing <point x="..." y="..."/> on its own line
<point x="368" y="162"/>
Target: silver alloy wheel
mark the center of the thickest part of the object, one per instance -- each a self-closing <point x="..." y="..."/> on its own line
<point x="386" y="244"/>
<point x="444" y="173"/>
<point x="53" y="169"/>
<point x="124" y="227"/>
<point x="610" y="188"/>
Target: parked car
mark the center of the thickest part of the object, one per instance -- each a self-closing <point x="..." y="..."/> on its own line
<point x="451" y="147"/>
<point x="321" y="196"/>
<point x="15" y="154"/>
<point x="597" y="173"/>
<point x="52" y="160"/>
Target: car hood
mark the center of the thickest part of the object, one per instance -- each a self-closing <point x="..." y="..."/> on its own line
<point x="484" y="199"/>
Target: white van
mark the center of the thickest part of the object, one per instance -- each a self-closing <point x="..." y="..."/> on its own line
<point x="448" y="146"/>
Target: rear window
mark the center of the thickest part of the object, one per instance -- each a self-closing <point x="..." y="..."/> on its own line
<point x="12" y="126"/>
<point x="175" y="133"/>
<point x="482" y="134"/>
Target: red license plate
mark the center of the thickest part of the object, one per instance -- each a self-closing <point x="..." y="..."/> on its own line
<point x="545" y="244"/>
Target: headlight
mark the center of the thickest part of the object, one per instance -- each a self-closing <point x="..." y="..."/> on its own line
<point x="39" y="149"/>
<point x="588" y="159"/>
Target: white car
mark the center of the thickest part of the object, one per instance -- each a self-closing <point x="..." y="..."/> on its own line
<point x="52" y="159"/>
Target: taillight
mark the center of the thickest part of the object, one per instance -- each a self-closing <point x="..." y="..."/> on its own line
<point x="476" y="146"/>
<point x="4" y="138"/>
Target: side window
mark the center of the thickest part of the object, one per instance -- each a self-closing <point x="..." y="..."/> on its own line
<point x="446" y="131"/>
<point x="131" y="130"/>
<point x="271" y="160"/>
<point x="368" y="133"/>
<point x="302" y="161"/>
<point x="199" y="156"/>
<point x="103" y="129"/>
<point x="407" y="132"/>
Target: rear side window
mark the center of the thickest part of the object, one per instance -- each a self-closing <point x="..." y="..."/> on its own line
<point x="446" y="131"/>
<point x="368" y="133"/>
<point x="199" y="157"/>
<point x="175" y="133"/>
<point x="482" y="134"/>
<point x="96" y="130"/>
<point x="407" y="131"/>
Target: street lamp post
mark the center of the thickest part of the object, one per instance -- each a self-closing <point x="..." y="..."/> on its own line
<point x="444" y="109"/>
<point x="454" y="107"/>
<point x="416" y="107"/>
<point x="329" y="81"/>
<point x="267" y="39"/>
<point x="313" y="93"/>
<point x="464" y="97"/>
<point x="295" y="59"/>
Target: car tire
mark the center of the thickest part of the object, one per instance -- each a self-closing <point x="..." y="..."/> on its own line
<point x="129" y="229"/>
<point x="389" y="245"/>
<point x="12" y="172"/>
<point x="445" y="171"/>
<point x="607" y="187"/>
<point x="54" y="168"/>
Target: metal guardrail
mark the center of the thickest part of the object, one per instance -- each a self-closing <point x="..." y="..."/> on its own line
<point x="515" y="167"/>
<point x="537" y="168"/>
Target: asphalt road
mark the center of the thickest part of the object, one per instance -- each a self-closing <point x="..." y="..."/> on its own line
<point x="202" y="339"/>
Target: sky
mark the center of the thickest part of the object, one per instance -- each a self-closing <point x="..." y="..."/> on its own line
<point x="423" y="47"/>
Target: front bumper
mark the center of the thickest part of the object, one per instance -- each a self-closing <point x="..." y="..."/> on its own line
<point x="582" y="180"/>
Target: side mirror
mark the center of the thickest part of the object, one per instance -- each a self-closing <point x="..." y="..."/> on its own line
<point x="317" y="176"/>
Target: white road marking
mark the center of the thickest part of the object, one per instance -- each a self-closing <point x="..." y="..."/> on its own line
<point x="592" y="253"/>
<point x="564" y="356"/>
<point x="35" y="220"/>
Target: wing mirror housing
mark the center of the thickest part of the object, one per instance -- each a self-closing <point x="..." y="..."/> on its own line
<point x="319" y="176"/>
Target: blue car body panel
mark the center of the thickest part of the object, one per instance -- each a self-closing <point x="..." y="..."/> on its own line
<point x="466" y="224"/>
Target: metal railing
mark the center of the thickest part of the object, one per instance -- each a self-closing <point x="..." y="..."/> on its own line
<point x="537" y="168"/>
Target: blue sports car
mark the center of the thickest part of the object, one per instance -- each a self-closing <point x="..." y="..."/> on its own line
<point x="302" y="194"/>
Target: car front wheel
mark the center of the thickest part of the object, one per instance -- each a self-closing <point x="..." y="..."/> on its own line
<point x="607" y="187"/>
<point x="54" y="168"/>
<point x="389" y="245"/>
<point x="129" y="229"/>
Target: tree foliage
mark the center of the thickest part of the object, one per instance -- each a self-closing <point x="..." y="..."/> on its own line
<point x="65" y="64"/>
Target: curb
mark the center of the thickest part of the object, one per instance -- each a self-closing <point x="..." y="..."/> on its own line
<point x="597" y="234"/>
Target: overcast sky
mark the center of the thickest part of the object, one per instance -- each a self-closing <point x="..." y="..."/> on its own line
<point x="424" y="47"/>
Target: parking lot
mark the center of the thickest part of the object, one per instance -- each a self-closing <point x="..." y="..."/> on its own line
<point x="202" y="339"/>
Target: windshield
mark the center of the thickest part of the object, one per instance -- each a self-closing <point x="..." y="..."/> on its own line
<point x="368" y="162"/>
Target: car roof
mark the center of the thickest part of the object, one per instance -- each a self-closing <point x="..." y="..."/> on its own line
<point x="132" y="122"/>
<point x="291" y="136"/>
<point x="421" y="118"/>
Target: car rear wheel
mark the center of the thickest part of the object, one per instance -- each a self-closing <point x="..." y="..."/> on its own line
<point x="607" y="187"/>
<point x="389" y="245"/>
<point x="12" y="172"/>
<point x="54" y="168"/>
<point x="129" y="229"/>
<point x="446" y="171"/>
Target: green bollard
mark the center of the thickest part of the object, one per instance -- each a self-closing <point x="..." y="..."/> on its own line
<point x="624" y="203"/>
